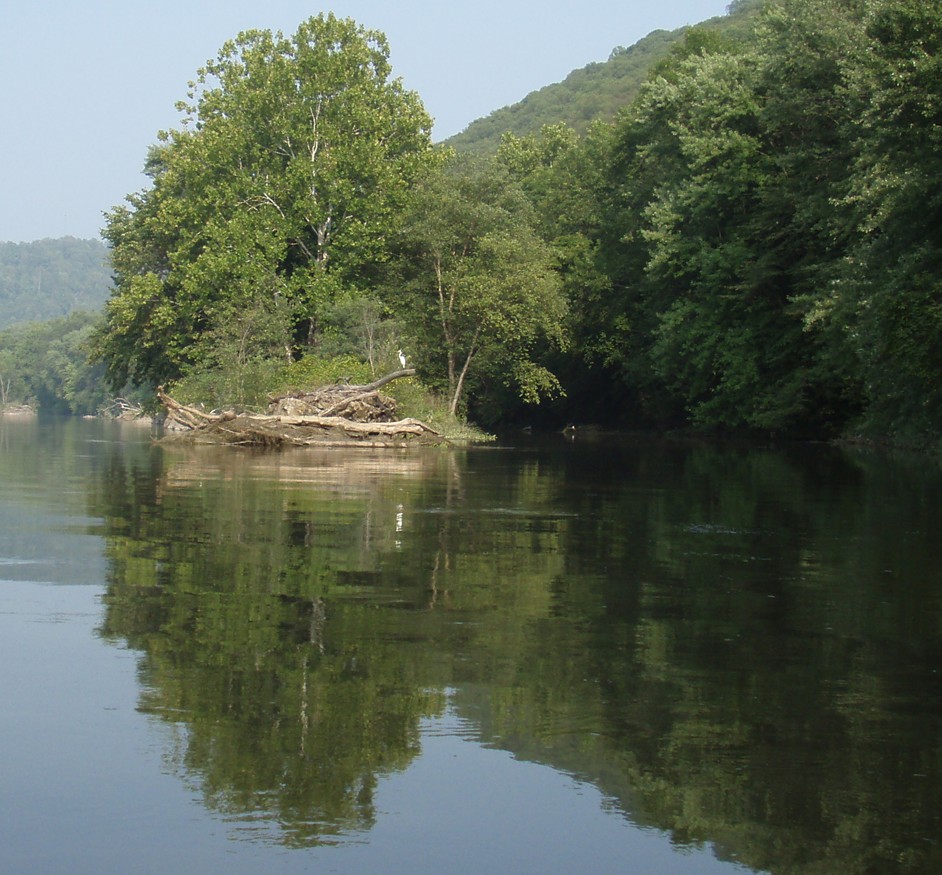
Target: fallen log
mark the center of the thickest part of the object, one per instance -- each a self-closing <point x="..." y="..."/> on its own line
<point x="191" y="417"/>
<point x="370" y="398"/>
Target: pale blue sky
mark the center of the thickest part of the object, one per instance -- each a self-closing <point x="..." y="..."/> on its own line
<point x="87" y="85"/>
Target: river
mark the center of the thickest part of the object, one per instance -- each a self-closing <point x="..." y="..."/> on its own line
<point x="540" y="656"/>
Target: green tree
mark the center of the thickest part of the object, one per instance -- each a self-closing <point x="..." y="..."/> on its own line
<point x="360" y="326"/>
<point x="679" y="173"/>
<point x="563" y="176"/>
<point x="477" y="288"/>
<point x="807" y="50"/>
<point x="640" y="155"/>
<point x="7" y="370"/>
<point x="888" y="299"/>
<point x="46" y="364"/>
<point x="293" y="161"/>
<point x="720" y="234"/>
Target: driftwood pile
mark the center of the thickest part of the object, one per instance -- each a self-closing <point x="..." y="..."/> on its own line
<point x="340" y="415"/>
<point x="359" y="403"/>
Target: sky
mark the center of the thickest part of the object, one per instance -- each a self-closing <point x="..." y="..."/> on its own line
<point x="86" y="86"/>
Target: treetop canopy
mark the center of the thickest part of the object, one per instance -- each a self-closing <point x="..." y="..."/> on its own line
<point x="293" y="160"/>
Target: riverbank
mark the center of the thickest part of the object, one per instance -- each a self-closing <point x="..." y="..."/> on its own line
<point x="19" y="410"/>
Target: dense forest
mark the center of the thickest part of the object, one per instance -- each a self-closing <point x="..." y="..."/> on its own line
<point x="46" y="365"/>
<point x="51" y="296"/>
<point x="750" y="245"/>
<point x="48" y="279"/>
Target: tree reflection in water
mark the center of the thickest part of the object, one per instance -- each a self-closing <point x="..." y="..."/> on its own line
<point x="737" y="645"/>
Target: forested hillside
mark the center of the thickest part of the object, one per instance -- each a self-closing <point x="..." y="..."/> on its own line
<point x="599" y="90"/>
<point x="51" y="278"/>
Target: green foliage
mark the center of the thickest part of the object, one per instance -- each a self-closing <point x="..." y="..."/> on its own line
<point x="474" y="285"/>
<point x="726" y="344"/>
<point x="45" y="365"/>
<point x="240" y="357"/>
<point x="48" y="279"/>
<point x="242" y="387"/>
<point x="313" y="371"/>
<point x="360" y="325"/>
<point x="277" y="194"/>
<point x="741" y="194"/>
<point x="890" y="294"/>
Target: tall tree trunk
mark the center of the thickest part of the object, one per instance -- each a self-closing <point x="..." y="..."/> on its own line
<point x="459" y="387"/>
<point x="444" y="312"/>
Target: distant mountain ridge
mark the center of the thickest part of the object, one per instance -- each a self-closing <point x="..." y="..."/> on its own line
<point x="596" y="91"/>
<point x="50" y="278"/>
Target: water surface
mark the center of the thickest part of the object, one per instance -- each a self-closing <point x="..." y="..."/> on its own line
<point x="550" y="656"/>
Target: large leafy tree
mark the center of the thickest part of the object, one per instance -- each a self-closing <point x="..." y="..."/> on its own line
<point x="276" y="194"/>
<point x="644" y="158"/>
<point x="808" y="49"/>
<point x="477" y="287"/>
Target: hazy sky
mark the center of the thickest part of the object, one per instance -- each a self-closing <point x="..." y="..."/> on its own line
<point x="86" y="85"/>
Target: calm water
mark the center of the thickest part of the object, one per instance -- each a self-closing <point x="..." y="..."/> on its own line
<point x="551" y="658"/>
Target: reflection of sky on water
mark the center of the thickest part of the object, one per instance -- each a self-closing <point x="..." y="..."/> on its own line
<point x="464" y="808"/>
<point x="87" y="787"/>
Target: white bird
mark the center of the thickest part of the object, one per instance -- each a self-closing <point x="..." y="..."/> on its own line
<point x="402" y="358"/>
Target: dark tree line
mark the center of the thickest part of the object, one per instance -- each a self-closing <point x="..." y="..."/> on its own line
<point x="754" y="243"/>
